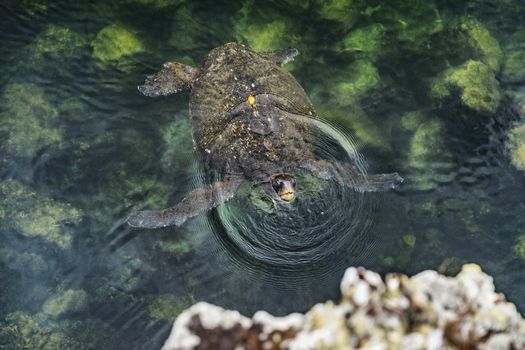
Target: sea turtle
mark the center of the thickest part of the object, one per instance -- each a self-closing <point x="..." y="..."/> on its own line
<point x="251" y="120"/>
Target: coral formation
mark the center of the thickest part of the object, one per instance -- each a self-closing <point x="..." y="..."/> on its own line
<point x="115" y="42"/>
<point x="427" y="311"/>
<point x="56" y="42"/>
<point x="477" y="83"/>
<point x="29" y="120"/>
<point x="34" y="215"/>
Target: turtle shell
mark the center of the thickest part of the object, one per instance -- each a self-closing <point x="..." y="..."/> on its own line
<point x="238" y="110"/>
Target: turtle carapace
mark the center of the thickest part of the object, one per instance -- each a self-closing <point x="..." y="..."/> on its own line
<point x="251" y="120"/>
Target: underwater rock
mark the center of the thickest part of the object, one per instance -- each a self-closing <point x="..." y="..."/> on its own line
<point x="353" y="118"/>
<point x="412" y="21"/>
<point x="478" y="86"/>
<point x="426" y="311"/>
<point x="28" y="121"/>
<point x="519" y="247"/>
<point x="34" y="215"/>
<point x="345" y="12"/>
<point x="513" y="68"/>
<point x="20" y="330"/>
<point x="167" y="306"/>
<point x="482" y="41"/>
<point x="264" y="37"/>
<point x="159" y="4"/>
<point x="66" y="302"/>
<point x="428" y="159"/>
<point x="516" y="146"/>
<point x="364" y="42"/>
<point x="359" y="78"/>
<point x="115" y="42"/>
<point x="57" y="42"/>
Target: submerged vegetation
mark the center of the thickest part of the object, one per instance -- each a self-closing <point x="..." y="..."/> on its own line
<point x="423" y="87"/>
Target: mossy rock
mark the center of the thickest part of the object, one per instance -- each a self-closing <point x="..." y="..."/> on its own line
<point x="475" y="80"/>
<point x="428" y="158"/>
<point x="58" y="43"/>
<point x="484" y="42"/>
<point x="346" y="12"/>
<point x="20" y="331"/>
<point x="359" y="78"/>
<point x="264" y="37"/>
<point x="167" y="306"/>
<point x="115" y="42"/>
<point x="354" y="119"/>
<point x="29" y="121"/>
<point x="178" y="146"/>
<point x="34" y="215"/>
<point x="516" y="146"/>
<point x="364" y="42"/>
<point x="519" y="247"/>
<point x="68" y="301"/>
<point x="156" y="4"/>
<point x="514" y="66"/>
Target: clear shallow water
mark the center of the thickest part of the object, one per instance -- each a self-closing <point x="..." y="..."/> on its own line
<point x="81" y="149"/>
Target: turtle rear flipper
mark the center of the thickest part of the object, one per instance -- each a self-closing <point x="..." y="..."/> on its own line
<point x="197" y="201"/>
<point x="172" y="78"/>
<point x="347" y="174"/>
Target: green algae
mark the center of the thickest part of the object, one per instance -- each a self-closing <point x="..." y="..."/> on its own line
<point x="29" y="120"/>
<point x="264" y="37"/>
<point x="410" y="121"/>
<point x="519" y="247"/>
<point x="428" y="157"/>
<point x="34" y="215"/>
<point x="167" y="306"/>
<point x="516" y="146"/>
<point x="358" y="79"/>
<point x="410" y="240"/>
<point x="354" y="119"/>
<point x="21" y="330"/>
<point x="478" y="86"/>
<point x="114" y="43"/>
<point x="156" y="4"/>
<point x="56" y="42"/>
<point x="513" y="67"/>
<point x="365" y="41"/>
<point x="178" y="146"/>
<point x="482" y="40"/>
<point x="346" y="12"/>
<point x="68" y="301"/>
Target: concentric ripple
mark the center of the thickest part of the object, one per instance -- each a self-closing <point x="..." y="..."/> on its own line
<point x="328" y="222"/>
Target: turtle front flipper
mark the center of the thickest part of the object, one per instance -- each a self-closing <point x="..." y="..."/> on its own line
<point x="348" y="175"/>
<point x="172" y="78"/>
<point x="197" y="201"/>
<point x="282" y="56"/>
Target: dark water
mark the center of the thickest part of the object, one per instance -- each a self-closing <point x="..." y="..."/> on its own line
<point x="81" y="149"/>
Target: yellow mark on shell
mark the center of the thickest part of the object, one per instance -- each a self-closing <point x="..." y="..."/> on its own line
<point x="251" y="101"/>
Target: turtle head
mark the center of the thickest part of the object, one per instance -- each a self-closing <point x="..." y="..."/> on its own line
<point x="284" y="186"/>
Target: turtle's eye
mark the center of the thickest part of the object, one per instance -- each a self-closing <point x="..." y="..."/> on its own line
<point x="277" y="185"/>
<point x="294" y="184"/>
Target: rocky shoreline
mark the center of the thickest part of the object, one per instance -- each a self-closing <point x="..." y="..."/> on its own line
<point x="427" y="311"/>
